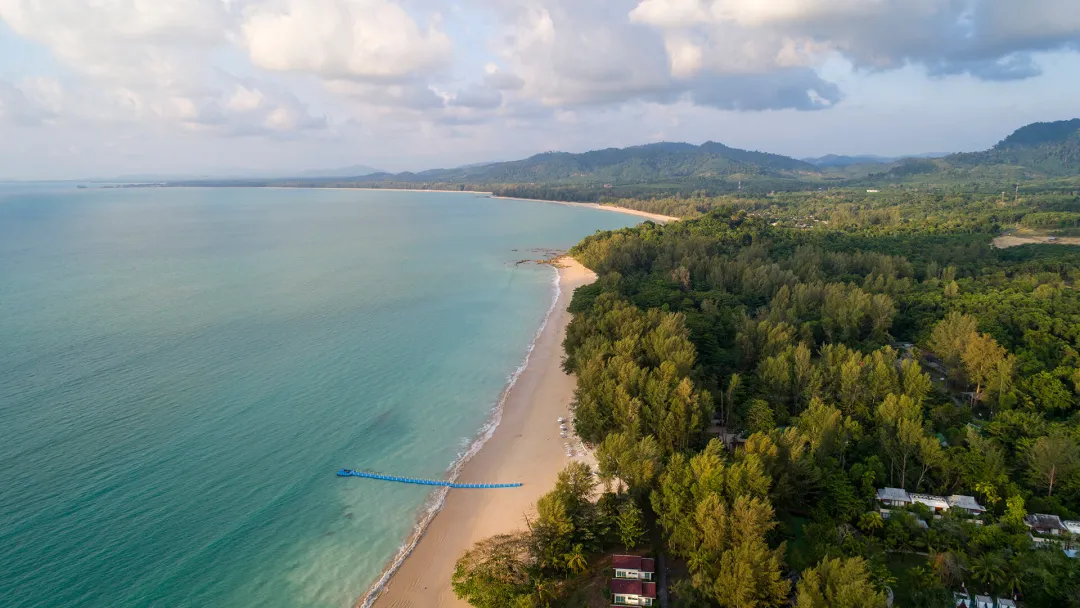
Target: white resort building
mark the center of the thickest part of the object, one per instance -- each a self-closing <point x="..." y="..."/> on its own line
<point x="898" y="497"/>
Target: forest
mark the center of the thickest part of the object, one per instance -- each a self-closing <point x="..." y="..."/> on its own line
<point x="751" y="377"/>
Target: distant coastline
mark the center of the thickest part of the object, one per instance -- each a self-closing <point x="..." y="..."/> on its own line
<point x="654" y="217"/>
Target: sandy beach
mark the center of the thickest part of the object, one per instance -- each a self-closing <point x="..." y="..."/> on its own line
<point x="525" y="448"/>
<point x="655" y="217"/>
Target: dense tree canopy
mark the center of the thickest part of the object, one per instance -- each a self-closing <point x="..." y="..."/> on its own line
<point x="751" y="377"/>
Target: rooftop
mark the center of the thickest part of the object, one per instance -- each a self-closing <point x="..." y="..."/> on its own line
<point x="629" y="587"/>
<point x="931" y="500"/>
<point x="893" y="494"/>
<point x="633" y="562"/>
<point x="1042" y="521"/>
<point x="965" y="502"/>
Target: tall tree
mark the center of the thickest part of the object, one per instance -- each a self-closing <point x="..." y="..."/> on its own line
<point x="494" y="572"/>
<point x="1051" y="459"/>
<point x="838" y="583"/>
<point x="635" y="463"/>
<point x="631" y="525"/>
<point x="950" y="337"/>
<point x="901" y="433"/>
<point x="983" y="360"/>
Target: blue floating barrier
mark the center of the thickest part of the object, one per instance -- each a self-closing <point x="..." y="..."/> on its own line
<point x="426" y="482"/>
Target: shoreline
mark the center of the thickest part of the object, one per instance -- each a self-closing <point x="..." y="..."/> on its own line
<point x="520" y="443"/>
<point x="655" y="217"/>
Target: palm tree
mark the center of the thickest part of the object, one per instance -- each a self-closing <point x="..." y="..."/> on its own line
<point x="871" y="522"/>
<point x="575" y="560"/>
<point x="1014" y="576"/>
<point x="987" y="570"/>
<point x="544" y="592"/>
<point x="923" y="577"/>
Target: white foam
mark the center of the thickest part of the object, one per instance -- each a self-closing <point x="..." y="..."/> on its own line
<point x="437" y="499"/>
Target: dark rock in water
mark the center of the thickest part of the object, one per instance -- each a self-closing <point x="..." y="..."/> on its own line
<point x="348" y="516"/>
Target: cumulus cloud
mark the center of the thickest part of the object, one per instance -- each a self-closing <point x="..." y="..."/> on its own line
<point x="990" y="39"/>
<point x="342" y="39"/>
<point x="494" y="65"/>
<point x="144" y="60"/>
<point x="122" y="39"/>
<point x="571" y="53"/>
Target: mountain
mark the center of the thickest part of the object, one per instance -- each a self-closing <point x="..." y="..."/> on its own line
<point x="1038" y="151"/>
<point x="1042" y="149"/>
<point x="660" y="162"/>
<point x="831" y="161"/>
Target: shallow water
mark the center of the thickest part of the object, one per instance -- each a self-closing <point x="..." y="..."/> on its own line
<point x="183" y="370"/>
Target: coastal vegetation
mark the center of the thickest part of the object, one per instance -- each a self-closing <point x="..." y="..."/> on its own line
<point x="752" y="377"/>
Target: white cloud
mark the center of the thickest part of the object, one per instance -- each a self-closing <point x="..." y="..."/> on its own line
<point x="342" y="39"/>
<point x="245" y="99"/>
<point x="511" y="75"/>
<point x="150" y="61"/>
<point x="991" y="39"/>
<point x="589" y="52"/>
<point x="120" y="39"/>
<point x="17" y="108"/>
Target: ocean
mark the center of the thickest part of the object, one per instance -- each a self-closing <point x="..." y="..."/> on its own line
<point x="182" y="372"/>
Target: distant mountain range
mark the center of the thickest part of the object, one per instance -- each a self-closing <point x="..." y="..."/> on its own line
<point x="647" y="163"/>
<point x="833" y="160"/>
<point x="1037" y="151"/>
<point x="1041" y="150"/>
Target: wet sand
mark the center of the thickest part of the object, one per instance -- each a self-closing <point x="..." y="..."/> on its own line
<point x="525" y="448"/>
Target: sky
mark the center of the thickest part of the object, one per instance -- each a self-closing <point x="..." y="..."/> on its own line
<point x="95" y="88"/>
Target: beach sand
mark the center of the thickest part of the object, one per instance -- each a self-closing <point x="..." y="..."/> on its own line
<point x="525" y="448"/>
<point x="655" y="217"/>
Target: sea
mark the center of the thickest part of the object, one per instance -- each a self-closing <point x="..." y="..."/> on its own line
<point x="182" y="372"/>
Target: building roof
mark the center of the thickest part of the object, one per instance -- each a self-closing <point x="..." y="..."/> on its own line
<point x="983" y="599"/>
<point x="633" y="562"/>
<point x="965" y="502"/>
<point x="1041" y="521"/>
<point x="630" y="587"/>
<point x="1004" y="603"/>
<point x="938" y="502"/>
<point x="1072" y="526"/>
<point x="897" y="494"/>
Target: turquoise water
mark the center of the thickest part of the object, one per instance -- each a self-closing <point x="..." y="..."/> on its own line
<point x="183" y="371"/>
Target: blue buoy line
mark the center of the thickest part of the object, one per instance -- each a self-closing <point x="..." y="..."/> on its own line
<point x="426" y="482"/>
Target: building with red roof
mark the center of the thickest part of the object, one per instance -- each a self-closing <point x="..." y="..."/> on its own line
<point x="633" y="567"/>
<point x="633" y="593"/>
